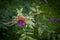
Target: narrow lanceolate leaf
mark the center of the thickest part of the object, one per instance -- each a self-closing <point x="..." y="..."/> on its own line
<point x="30" y="38"/>
<point x="23" y="34"/>
<point x="30" y="12"/>
<point x="33" y="9"/>
<point x="23" y="38"/>
<point x="19" y="12"/>
<point x="40" y="31"/>
<point x="30" y="33"/>
<point x="29" y="22"/>
<point x="31" y="26"/>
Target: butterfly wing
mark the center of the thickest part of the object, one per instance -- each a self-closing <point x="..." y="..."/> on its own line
<point x="20" y="23"/>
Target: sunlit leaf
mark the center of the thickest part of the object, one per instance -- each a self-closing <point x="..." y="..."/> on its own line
<point x="29" y="22"/>
<point x="33" y="9"/>
<point x="23" y="34"/>
<point x="19" y="12"/>
<point x="30" y="33"/>
<point x="31" y="38"/>
<point x="23" y="38"/>
<point x="37" y="6"/>
<point x="31" y="26"/>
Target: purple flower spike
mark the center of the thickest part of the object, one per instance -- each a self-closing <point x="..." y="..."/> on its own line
<point x="20" y="23"/>
<point x="52" y="19"/>
<point x="58" y="19"/>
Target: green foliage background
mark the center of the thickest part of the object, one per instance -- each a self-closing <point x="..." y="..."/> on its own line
<point x="39" y="10"/>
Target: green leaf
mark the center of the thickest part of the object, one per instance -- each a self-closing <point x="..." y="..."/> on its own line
<point x="30" y="38"/>
<point x="40" y="30"/>
<point x="33" y="9"/>
<point x="31" y="26"/>
<point x="29" y="22"/>
<point x="19" y="12"/>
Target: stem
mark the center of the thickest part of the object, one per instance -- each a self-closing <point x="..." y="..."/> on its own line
<point x="36" y="34"/>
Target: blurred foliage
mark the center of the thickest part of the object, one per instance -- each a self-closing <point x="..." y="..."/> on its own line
<point x="37" y="26"/>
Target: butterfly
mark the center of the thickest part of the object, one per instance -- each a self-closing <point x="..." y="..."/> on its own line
<point x="20" y="19"/>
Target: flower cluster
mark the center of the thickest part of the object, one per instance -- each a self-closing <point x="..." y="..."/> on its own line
<point x="54" y="19"/>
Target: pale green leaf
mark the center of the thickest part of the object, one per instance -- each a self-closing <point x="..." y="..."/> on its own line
<point x="31" y="26"/>
<point x="19" y="12"/>
<point x="40" y="31"/>
<point x="33" y="9"/>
